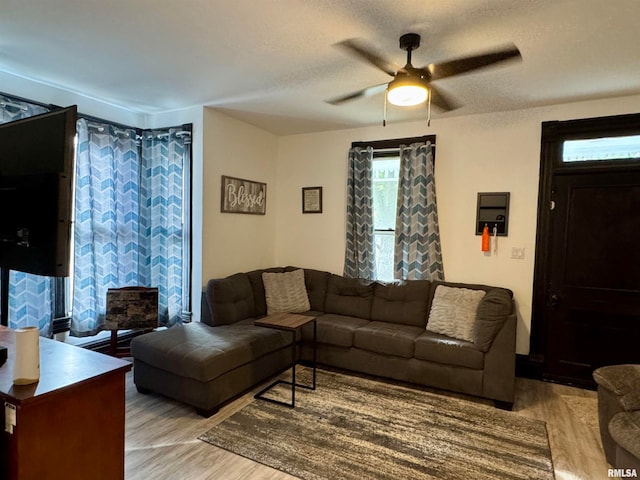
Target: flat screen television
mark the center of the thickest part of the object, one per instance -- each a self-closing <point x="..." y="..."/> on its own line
<point x="36" y="172"/>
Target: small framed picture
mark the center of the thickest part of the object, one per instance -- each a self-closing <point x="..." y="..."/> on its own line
<point x="312" y="200"/>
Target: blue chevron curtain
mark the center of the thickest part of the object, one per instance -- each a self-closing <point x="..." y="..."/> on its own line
<point x="164" y="156"/>
<point x="417" y="239"/>
<point x="30" y="296"/>
<point x="359" y="261"/>
<point x="129" y="220"/>
<point x="106" y="228"/>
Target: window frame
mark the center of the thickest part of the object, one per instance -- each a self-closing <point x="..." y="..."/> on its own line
<point x="391" y="148"/>
<point x="555" y="132"/>
<point x="383" y="232"/>
<point x="61" y="294"/>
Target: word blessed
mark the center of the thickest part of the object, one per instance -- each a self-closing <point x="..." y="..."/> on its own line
<point x="622" y="473"/>
<point x="240" y="197"/>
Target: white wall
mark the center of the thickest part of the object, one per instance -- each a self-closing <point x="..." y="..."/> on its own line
<point x="234" y="242"/>
<point x="478" y="153"/>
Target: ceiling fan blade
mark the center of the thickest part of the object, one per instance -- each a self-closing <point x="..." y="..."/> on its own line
<point x="364" y="52"/>
<point x="365" y="92"/>
<point x="475" y="62"/>
<point x="442" y="101"/>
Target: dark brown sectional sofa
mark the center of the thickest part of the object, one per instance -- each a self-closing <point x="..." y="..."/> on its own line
<point x="368" y="327"/>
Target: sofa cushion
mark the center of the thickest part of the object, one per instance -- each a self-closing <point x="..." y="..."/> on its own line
<point x="402" y="302"/>
<point x="201" y="352"/>
<point x="316" y="281"/>
<point x="230" y="299"/>
<point x="453" y="312"/>
<point x="257" y="286"/>
<point x="438" y="348"/>
<point x="334" y="329"/>
<point x="285" y="292"/>
<point x="388" y="338"/>
<point x="493" y="311"/>
<point x="349" y="296"/>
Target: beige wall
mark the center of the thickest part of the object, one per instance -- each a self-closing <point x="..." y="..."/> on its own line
<point x="479" y="153"/>
<point x="234" y="242"/>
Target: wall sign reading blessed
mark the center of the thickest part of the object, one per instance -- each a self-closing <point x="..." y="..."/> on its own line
<point x="243" y="196"/>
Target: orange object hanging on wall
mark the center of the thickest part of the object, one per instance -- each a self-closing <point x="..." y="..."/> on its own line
<point x="486" y="239"/>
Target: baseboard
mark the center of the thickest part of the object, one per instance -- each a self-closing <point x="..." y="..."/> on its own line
<point x="529" y="366"/>
<point x="102" y="345"/>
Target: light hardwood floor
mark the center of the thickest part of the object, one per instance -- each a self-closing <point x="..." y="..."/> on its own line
<point x="162" y="436"/>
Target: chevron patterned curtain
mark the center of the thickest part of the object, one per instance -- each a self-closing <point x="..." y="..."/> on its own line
<point x="129" y="220"/>
<point x="164" y="156"/>
<point x="359" y="261"/>
<point x="30" y="296"/>
<point x="106" y="228"/>
<point x="417" y="243"/>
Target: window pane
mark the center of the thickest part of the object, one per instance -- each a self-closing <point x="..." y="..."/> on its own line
<point x="610" y="148"/>
<point x="384" y="242"/>
<point x="385" y="198"/>
<point x="385" y="193"/>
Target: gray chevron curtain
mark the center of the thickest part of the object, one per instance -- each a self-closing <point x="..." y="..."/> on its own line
<point x="359" y="253"/>
<point x="417" y="238"/>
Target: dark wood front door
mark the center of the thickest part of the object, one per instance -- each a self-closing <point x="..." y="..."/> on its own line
<point x="586" y="301"/>
<point x="593" y="298"/>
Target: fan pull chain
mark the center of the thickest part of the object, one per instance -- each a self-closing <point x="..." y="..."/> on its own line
<point x="384" y="114"/>
<point x="428" y="107"/>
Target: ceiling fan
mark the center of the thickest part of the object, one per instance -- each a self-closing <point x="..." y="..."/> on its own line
<point x="411" y="85"/>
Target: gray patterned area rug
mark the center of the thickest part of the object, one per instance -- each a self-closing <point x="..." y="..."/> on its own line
<point x="353" y="428"/>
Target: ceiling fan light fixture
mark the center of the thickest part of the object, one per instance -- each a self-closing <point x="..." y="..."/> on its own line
<point x="407" y="92"/>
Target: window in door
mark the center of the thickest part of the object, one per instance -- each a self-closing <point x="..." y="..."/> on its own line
<point x="601" y="149"/>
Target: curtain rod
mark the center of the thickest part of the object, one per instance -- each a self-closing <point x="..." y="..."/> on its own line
<point x="395" y="142"/>
<point x="97" y="122"/>
<point x="15" y="98"/>
<point x="13" y="105"/>
<point x="9" y="100"/>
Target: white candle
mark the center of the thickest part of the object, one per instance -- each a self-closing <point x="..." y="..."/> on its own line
<point x="26" y="367"/>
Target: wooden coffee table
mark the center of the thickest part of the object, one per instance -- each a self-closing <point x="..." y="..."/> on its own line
<point x="291" y="322"/>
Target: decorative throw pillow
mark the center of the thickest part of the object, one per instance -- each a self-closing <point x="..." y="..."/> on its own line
<point x="453" y="312"/>
<point x="286" y="292"/>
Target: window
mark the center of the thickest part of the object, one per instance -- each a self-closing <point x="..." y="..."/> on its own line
<point x="385" y="200"/>
<point x="599" y="149"/>
<point x="389" y="183"/>
<point x="131" y="219"/>
<point x="135" y="221"/>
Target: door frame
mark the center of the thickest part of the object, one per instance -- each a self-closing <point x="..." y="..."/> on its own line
<point x="554" y="133"/>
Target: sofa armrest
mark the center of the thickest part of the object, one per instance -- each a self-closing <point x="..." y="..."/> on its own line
<point x="500" y="364"/>
<point x="205" y="309"/>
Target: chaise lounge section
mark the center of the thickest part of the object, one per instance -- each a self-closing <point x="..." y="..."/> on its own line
<point x="368" y="327"/>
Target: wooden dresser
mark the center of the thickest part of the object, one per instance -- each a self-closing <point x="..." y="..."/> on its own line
<point x="71" y="423"/>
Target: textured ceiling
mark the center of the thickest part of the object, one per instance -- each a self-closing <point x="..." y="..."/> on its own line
<point x="273" y="63"/>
